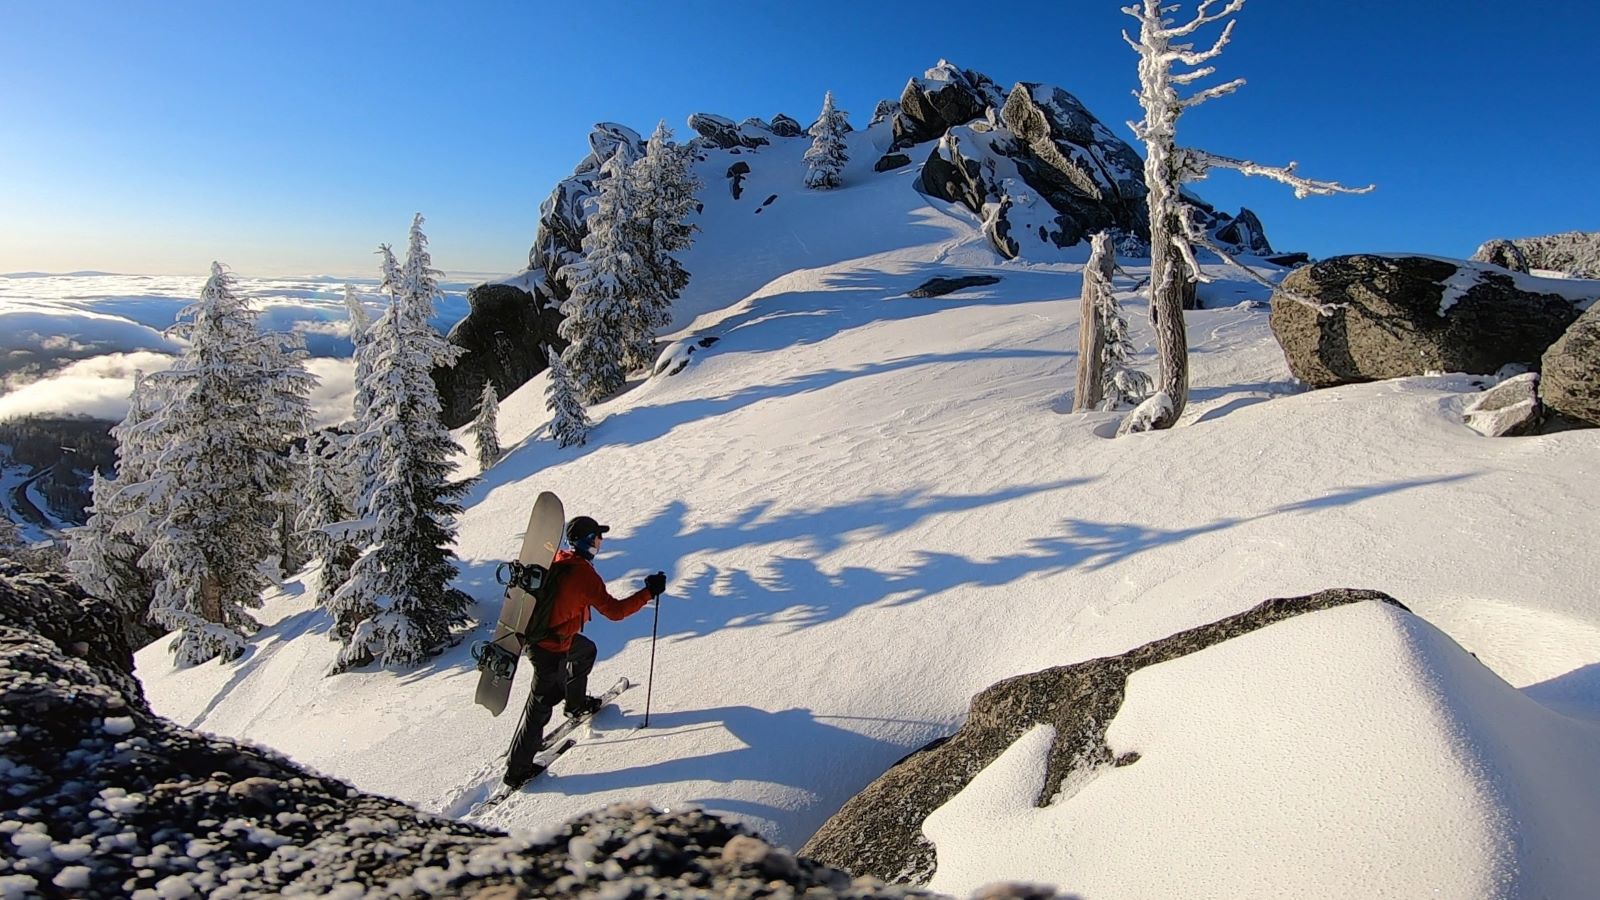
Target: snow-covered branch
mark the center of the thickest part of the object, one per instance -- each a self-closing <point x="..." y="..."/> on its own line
<point x="1213" y="93"/>
<point x="1196" y="236"/>
<point x="1201" y="17"/>
<point x="1303" y="187"/>
<point x="1182" y="53"/>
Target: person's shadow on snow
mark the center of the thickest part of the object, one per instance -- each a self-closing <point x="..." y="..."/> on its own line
<point x="826" y="763"/>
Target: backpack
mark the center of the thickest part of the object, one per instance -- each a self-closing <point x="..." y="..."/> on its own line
<point x="544" y="602"/>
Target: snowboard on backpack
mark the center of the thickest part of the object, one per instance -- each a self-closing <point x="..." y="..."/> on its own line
<point x="526" y="580"/>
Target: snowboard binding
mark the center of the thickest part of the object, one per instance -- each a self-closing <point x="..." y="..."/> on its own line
<point x="494" y="659"/>
<point x="515" y="574"/>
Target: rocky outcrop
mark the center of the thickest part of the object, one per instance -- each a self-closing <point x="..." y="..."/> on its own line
<point x="891" y="161"/>
<point x="944" y="97"/>
<point x="1410" y="315"/>
<point x="723" y="134"/>
<point x="105" y="799"/>
<point x="1570" y="383"/>
<point x="504" y="335"/>
<point x="952" y="177"/>
<point x="1508" y="409"/>
<point x="785" y="126"/>
<point x="1575" y="254"/>
<point x="879" y="831"/>
<point x="1245" y="233"/>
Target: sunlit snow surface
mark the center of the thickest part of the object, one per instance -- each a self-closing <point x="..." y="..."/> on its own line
<point x="1351" y="752"/>
<point x="871" y="507"/>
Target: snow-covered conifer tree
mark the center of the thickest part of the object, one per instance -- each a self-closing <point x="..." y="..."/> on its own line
<point x="1173" y="230"/>
<point x="826" y="158"/>
<point x="569" y="422"/>
<point x="599" y="313"/>
<point x="233" y="402"/>
<point x="664" y="190"/>
<point x="401" y="586"/>
<point x="103" y="555"/>
<point x="486" y="427"/>
<point x="325" y="514"/>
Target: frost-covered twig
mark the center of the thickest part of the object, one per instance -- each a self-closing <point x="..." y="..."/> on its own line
<point x="1303" y="187"/>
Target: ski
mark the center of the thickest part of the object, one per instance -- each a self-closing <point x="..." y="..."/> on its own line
<point x="553" y="746"/>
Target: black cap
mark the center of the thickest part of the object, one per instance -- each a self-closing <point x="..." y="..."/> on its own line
<point x="584" y="527"/>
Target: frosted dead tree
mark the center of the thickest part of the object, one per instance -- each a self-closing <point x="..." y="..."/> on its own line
<point x="1106" y="376"/>
<point x="1168" y="64"/>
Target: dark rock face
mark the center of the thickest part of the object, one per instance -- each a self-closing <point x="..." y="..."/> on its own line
<point x="784" y="126"/>
<point x="1244" y="231"/>
<point x="1575" y="253"/>
<point x="1570" y="383"/>
<point x="879" y="832"/>
<point x="504" y="334"/>
<point x="891" y="161"/>
<point x="942" y="99"/>
<point x="722" y="133"/>
<point x="1508" y="409"/>
<point x="736" y="174"/>
<point x="1409" y="316"/>
<point x="956" y="179"/>
<point x="105" y="799"/>
<point x="938" y="287"/>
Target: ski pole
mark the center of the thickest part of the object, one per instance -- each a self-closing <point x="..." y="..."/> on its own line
<point x="650" y="681"/>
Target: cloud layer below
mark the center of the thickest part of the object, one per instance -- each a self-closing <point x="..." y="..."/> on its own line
<point x="70" y="344"/>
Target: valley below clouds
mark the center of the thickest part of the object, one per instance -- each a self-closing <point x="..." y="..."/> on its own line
<point x="71" y="344"/>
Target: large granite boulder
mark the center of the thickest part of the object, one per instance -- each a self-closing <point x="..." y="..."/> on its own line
<point x="1410" y="315"/>
<point x="504" y="334"/>
<point x="879" y="831"/>
<point x="1570" y="383"/>
<point x="1572" y="253"/>
<point x="106" y="799"/>
<point x="786" y="126"/>
<point x="724" y="134"/>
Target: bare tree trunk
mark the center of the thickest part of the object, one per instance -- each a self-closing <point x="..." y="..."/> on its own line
<point x="210" y="599"/>
<point x="1091" y="333"/>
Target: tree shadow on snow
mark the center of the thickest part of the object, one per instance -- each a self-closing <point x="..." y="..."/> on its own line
<point x="792" y="590"/>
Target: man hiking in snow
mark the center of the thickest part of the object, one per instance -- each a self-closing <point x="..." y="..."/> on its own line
<point x="563" y="659"/>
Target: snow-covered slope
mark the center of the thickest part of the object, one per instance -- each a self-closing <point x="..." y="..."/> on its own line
<point x="872" y="506"/>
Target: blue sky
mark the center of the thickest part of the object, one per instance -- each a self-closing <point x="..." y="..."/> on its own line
<point x="292" y="138"/>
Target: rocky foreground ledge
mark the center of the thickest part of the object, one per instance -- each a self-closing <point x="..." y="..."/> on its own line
<point x="103" y="798"/>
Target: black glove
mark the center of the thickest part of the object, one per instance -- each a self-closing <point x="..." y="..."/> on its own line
<point x="656" y="584"/>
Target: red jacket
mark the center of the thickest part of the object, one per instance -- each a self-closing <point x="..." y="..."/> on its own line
<point x="578" y="588"/>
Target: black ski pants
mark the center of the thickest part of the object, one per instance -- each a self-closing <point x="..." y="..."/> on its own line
<point x="556" y="677"/>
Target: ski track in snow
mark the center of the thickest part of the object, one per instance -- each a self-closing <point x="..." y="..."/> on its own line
<point x="872" y="507"/>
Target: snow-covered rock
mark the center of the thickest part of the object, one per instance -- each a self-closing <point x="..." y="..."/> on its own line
<point x="722" y="133"/>
<point x="1508" y="409"/>
<point x="1356" y="725"/>
<point x="1409" y="315"/>
<point x="880" y="831"/>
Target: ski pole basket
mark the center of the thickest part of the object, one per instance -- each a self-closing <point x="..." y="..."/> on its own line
<point x="515" y="574"/>
<point x="494" y="659"/>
